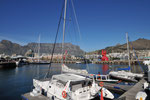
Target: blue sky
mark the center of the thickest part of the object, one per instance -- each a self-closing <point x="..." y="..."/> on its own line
<point x="102" y="22"/>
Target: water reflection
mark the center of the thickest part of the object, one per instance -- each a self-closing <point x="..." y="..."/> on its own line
<point x="105" y="69"/>
<point x="16" y="70"/>
<point x="92" y="68"/>
<point x="19" y="79"/>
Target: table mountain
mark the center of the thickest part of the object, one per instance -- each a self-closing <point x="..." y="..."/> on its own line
<point x="10" y="48"/>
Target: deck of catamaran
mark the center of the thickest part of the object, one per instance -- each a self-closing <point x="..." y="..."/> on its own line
<point x="128" y="91"/>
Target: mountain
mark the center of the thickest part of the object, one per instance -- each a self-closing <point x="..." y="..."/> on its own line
<point x="10" y="48"/>
<point x="139" y="44"/>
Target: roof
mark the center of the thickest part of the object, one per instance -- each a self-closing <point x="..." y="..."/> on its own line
<point x="66" y="77"/>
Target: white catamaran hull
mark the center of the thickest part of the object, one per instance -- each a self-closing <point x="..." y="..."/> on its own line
<point x="54" y="88"/>
<point x="127" y="76"/>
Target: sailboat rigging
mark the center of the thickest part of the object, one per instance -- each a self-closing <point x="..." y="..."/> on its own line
<point x="68" y="86"/>
<point x="128" y="51"/>
<point x="39" y="49"/>
<point x="54" y="45"/>
<point x="125" y="73"/>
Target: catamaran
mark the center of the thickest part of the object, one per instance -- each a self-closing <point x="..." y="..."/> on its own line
<point x="125" y="73"/>
<point x="69" y="86"/>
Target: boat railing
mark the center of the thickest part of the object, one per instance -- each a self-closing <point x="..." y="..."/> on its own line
<point x="102" y="77"/>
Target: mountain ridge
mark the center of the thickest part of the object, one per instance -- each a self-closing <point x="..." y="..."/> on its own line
<point x="139" y="44"/>
<point x="10" y="48"/>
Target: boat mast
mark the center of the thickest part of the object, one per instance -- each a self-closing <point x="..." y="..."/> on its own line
<point x="64" y="31"/>
<point x="128" y="49"/>
<point x="39" y="49"/>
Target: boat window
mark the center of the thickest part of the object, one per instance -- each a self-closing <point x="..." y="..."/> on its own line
<point x="79" y="84"/>
<point x="59" y="80"/>
<point x="86" y="83"/>
<point x="75" y="87"/>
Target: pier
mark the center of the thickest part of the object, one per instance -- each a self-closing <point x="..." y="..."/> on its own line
<point x="7" y="64"/>
<point x="131" y="93"/>
<point x="118" y="62"/>
<point x="40" y="97"/>
<point x="118" y="88"/>
<point x="67" y="62"/>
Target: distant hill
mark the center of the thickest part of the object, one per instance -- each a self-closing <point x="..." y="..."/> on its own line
<point x="140" y="44"/>
<point x="10" y="48"/>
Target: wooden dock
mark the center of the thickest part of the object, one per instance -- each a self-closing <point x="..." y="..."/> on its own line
<point x="28" y="97"/>
<point x="118" y="88"/>
<point x="131" y="93"/>
<point x="118" y="62"/>
<point x="67" y="62"/>
<point x="7" y="65"/>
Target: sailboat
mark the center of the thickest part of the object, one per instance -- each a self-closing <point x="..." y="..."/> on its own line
<point x="37" y="60"/>
<point x="68" y="86"/>
<point x="125" y="73"/>
<point x="66" y="69"/>
<point x="146" y="62"/>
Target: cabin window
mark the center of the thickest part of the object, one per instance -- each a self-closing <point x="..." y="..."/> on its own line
<point x="77" y="86"/>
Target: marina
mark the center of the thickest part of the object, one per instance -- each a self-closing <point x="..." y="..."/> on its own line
<point x="113" y="87"/>
<point x="128" y="91"/>
<point x="21" y="78"/>
<point x="44" y="55"/>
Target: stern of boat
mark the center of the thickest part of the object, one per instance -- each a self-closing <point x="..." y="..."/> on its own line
<point x="83" y="94"/>
<point x="96" y="90"/>
<point x="107" y="94"/>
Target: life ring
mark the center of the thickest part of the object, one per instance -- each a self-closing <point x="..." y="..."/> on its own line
<point x="64" y="94"/>
<point x="92" y="74"/>
<point x="101" y="84"/>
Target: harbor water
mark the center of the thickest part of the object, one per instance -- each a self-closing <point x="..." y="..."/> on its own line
<point x="17" y="81"/>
